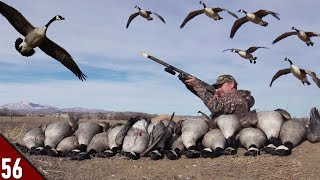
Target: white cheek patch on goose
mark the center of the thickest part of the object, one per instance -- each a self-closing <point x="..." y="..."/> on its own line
<point x="208" y="149"/>
<point x="108" y="151"/>
<point x="271" y="146"/>
<point x="174" y="152"/>
<point x="39" y="148"/>
<point x="230" y="149"/>
<point x="156" y="152"/>
<point x="133" y="153"/>
<point x="253" y="149"/>
<point x="76" y="150"/>
<point x="282" y="147"/>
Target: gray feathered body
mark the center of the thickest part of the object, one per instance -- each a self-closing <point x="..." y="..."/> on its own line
<point x="192" y="130"/>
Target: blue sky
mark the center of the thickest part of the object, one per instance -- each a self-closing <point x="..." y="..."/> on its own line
<point x="120" y="79"/>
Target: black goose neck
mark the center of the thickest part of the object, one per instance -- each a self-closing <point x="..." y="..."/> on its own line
<point x="51" y="20"/>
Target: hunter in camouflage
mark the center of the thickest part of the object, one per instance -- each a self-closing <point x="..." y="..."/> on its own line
<point x="227" y="99"/>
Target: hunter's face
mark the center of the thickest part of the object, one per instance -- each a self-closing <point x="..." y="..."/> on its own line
<point x="225" y="88"/>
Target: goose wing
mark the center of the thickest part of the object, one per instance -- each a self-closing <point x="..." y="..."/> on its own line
<point x="131" y="17"/>
<point x="60" y="54"/>
<point x="311" y="34"/>
<point x="218" y="9"/>
<point x="254" y="48"/>
<point x="16" y="19"/>
<point x="190" y="16"/>
<point x="262" y="13"/>
<point x="284" y="35"/>
<point x="313" y="75"/>
<point x="161" y="18"/>
<point x="280" y="73"/>
<point x="237" y="25"/>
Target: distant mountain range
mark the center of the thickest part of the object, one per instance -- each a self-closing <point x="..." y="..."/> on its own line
<point x="30" y="107"/>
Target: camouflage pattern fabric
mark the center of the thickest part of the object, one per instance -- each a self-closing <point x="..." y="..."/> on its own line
<point x="238" y="103"/>
<point x="223" y="79"/>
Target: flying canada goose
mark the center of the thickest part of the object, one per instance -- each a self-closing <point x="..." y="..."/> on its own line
<point x="292" y="133"/>
<point x="303" y="35"/>
<point x="253" y="17"/>
<point x="210" y="12"/>
<point x="145" y="14"/>
<point x="246" y="54"/>
<point x="314" y="126"/>
<point x="298" y="73"/>
<point x="36" y="37"/>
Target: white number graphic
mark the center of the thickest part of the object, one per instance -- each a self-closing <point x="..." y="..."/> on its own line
<point x="16" y="171"/>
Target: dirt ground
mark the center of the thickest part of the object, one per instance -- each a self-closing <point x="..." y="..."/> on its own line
<point x="302" y="164"/>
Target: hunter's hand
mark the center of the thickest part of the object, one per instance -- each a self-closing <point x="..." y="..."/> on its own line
<point x="191" y="81"/>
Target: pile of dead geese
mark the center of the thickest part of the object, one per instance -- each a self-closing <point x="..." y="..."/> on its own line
<point x="271" y="132"/>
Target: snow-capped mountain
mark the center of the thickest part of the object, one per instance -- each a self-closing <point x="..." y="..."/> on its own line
<point x="29" y="107"/>
<point x="24" y="105"/>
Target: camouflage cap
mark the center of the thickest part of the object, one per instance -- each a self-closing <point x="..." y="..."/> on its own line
<point x="224" y="78"/>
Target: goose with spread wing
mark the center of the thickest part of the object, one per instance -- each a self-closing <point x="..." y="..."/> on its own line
<point x="145" y="14"/>
<point x="298" y="73"/>
<point x="246" y="54"/>
<point x="303" y="35"/>
<point x="36" y="37"/>
<point x="252" y="17"/>
<point x="210" y="12"/>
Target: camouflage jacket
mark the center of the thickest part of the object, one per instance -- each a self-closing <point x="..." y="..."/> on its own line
<point x="238" y="103"/>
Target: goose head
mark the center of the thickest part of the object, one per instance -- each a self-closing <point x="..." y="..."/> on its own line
<point x="243" y="11"/>
<point x="59" y="18"/>
<point x="293" y="28"/>
<point x="233" y="50"/>
<point x="204" y="6"/>
<point x="55" y="18"/>
<point x="137" y="7"/>
<point x="287" y="59"/>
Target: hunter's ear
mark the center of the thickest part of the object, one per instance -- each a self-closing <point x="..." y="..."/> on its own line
<point x="232" y="84"/>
